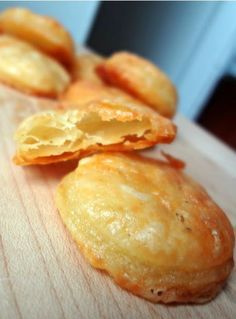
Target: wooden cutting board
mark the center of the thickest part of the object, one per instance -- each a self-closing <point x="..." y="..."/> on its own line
<point x="43" y="274"/>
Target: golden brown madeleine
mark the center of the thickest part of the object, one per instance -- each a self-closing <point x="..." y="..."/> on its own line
<point x="80" y="92"/>
<point x="85" y="65"/>
<point x="43" y="32"/>
<point x="27" y="69"/>
<point x="151" y="227"/>
<point x="142" y="79"/>
<point x="54" y="136"/>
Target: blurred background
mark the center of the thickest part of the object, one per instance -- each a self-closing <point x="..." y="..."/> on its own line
<point x="193" y="42"/>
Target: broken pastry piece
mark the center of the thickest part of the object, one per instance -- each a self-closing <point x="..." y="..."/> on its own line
<point x="25" y="68"/>
<point x="148" y="225"/>
<point x="54" y="136"/>
<point x="142" y="79"/>
<point x="85" y="67"/>
<point x="43" y="32"/>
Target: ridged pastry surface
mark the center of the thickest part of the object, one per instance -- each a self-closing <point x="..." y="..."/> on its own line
<point x="142" y="79"/>
<point x="151" y="227"/>
<point x="25" y="68"/>
<point x="82" y="92"/>
<point x="85" y="67"/>
<point x="43" y="32"/>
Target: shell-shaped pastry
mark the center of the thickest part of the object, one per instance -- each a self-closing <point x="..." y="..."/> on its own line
<point x="43" y="32"/>
<point x="148" y="225"/>
<point x="27" y="69"/>
<point x="142" y="79"/>
<point x="80" y="92"/>
<point x="53" y="136"/>
<point x="85" y="67"/>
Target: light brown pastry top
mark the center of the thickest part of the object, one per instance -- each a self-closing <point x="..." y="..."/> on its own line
<point x="142" y="79"/>
<point x="81" y="92"/>
<point x="27" y="69"/>
<point x="43" y="32"/>
<point x="84" y="67"/>
<point x="151" y="227"/>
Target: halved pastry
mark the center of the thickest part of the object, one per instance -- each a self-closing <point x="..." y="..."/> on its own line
<point x="54" y="136"/>
<point x="142" y="79"/>
<point x="25" y="68"/>
<point x="85" y="67"/>
<point x="148" y="225"/>
<point x="43" y="32"/>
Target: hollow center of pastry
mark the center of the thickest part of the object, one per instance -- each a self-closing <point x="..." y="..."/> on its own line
<point x="54" y="133"/>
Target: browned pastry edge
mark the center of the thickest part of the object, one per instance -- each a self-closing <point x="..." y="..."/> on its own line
<point x="20" y="160"/>
<point x="173" y="295"/>
<point x="115" y="78"/>
<point x="32" y="93"/>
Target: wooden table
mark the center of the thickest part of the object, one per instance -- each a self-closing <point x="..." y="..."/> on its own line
<point x="43" y="274"/>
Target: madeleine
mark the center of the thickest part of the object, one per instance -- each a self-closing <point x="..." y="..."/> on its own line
<point x="149" y="226"/>
<point x="142" y="79"/>
<point x="25" y="68"/>
<point x="85" y="67"/>
<point x="43" y="32"/>
<point x="81" y="92"/>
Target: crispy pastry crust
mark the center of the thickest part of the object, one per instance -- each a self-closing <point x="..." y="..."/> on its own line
<point x="25" y="68"/>
<point x="55" y="136"/>
<point x="142" y="79"/>
<point x="85" y="67"/>
<point x="149" y="226"/>
<point x="81" y="92"/>
<point x="43" y="32"/>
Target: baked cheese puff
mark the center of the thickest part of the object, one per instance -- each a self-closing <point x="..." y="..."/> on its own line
<point x="43" y="32"/>
<point x="142" y="79"/>
<point x="85" y="67"/>
<point x="54" y="136"/>
<point x="81" y="91"/>
<point x="25" y="68"/>
<point x="153" y="229"/>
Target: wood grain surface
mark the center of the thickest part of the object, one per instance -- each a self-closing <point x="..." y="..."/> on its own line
<point x="43" y="274"/>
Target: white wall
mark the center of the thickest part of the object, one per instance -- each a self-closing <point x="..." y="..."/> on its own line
<point x="193" y="42"/>
<point x="171" y="32"/>
<point x="76" y="16"/>
<point x="210" y="60"/>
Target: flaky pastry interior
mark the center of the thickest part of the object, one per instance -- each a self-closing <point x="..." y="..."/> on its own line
<point x="54" y="136"/>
